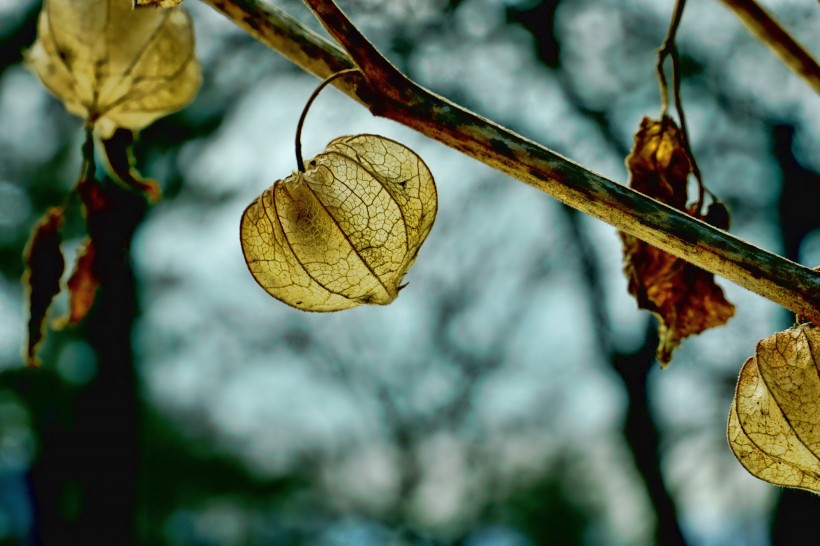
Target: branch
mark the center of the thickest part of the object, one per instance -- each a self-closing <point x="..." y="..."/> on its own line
<point x="782" y="281"/>
<point x="769" y="31"/>
<point x="281" y="32"/>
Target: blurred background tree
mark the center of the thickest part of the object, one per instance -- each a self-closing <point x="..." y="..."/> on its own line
<point x="508" y="397"/>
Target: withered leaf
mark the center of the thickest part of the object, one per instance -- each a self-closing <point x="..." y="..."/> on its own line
<point x="44" y="268"/>
<point x="344" y="232"/>
<point x="94" y="198"/>
<point x="658" y="163"/>
<point x="119" y="161"/>
<point x="685" y="298"/>
<point x="774" y="420"/>
<point x="82" y="285"/>
<point x="115" y="66"/>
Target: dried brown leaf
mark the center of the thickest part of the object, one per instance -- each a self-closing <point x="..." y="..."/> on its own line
<point x="658" y="163"/>
<point x="82" y="285"/>
<point x="685" y="298"/>
<point x="344" y="232"/>
<point x="115" y="66"/>
<point x="44" y="268"/>
<point x="774" y="421"/>
<point x="94" y="198"/>
<point x="119" y="161"/>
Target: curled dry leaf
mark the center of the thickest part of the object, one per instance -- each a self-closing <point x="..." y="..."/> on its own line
<point x="774" y="420"/>
<point x="44" y="268"/>
<point x="685" y="298"/>
<point x="345" y="231"/>
<point x="115" y="66"/>
<point x="82" y="285"/>
<point x="120" y="162"/>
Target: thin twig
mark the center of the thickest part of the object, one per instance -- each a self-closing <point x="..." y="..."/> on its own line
<point x="669" y="49"/>
<point x="774" y="277"/>
<point x="768" y="30"/>
<point x="684" y="131"/>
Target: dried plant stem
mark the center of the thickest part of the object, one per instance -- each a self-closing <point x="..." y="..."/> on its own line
<point x="389" y="94"/>
<point x="768" y="30"/>
<point x="89" y="166"/>
<point x="299" y="162"/>
<point x="669" y="49"/>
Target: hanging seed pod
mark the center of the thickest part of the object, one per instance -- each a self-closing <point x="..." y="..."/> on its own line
<point x="346" y="230"/>
<point x="115" y="66"/>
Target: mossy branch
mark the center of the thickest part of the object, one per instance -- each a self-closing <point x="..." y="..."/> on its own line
<point x="390" y="94"/>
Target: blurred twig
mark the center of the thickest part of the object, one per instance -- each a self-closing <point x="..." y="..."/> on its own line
<point x="89" y="456"/>
<point x="390" y="94"/>
<point x="768" y="30"/>
<point x="640" y="429"/>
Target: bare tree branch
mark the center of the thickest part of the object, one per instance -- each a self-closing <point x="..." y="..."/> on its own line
<point x="391" y="95"/>
<point x="281" y="32"/>
<point x="768" y="30"/>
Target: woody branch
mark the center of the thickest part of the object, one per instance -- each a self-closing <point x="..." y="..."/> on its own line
<point x="390" y="94"/>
